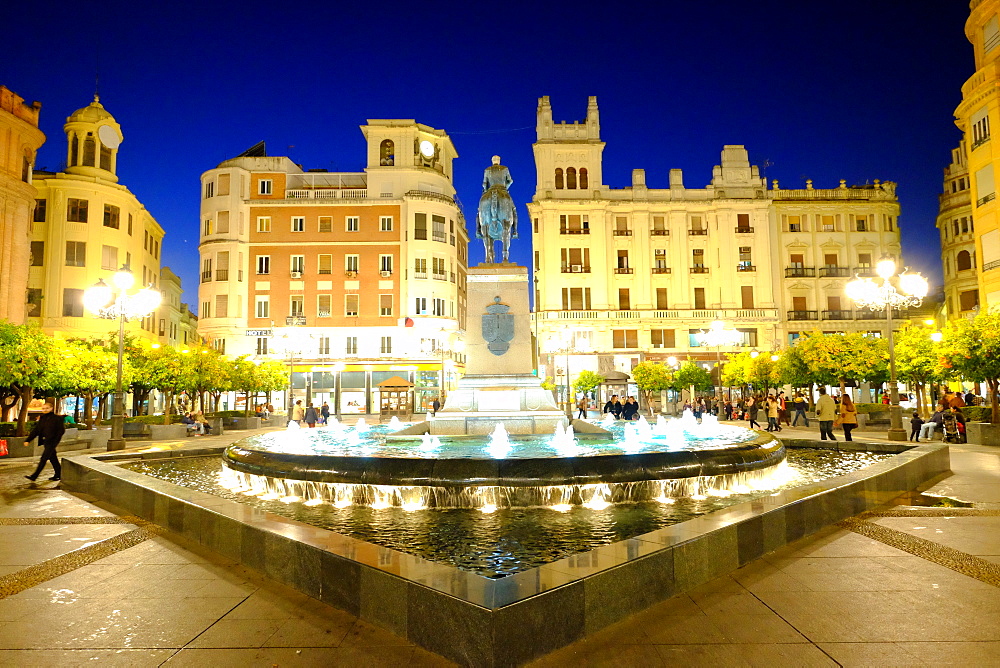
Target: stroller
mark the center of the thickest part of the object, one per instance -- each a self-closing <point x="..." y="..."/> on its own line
<point x="952" y="430"/>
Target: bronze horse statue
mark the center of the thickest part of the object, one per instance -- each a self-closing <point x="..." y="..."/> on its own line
<point x="497" y="217"/>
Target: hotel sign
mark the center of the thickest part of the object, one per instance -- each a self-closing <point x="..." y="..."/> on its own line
<point x="259" y="332"/>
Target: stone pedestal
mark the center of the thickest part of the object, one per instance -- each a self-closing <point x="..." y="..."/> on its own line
<point x="498" y="385"/>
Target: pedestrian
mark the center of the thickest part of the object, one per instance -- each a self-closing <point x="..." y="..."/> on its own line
<point x="581" y="406"/>
<point x="915" y="424"/>
<point x="773" y="413"/>
<point x="311" y="415"/>
<point x="753" y="407"/>
<point x="614" y="406"/>
<point x="48" y="429"/>
<point x="826" y="412"/>
<point x="435" y="406"/>
<point x="783" y="410"/>
<point x="800" y="405"/>
<point x="848" y="416"/>
<point x="728" y="409"/>
<point x="297" y="412"/>
<point x="324" y="412"/>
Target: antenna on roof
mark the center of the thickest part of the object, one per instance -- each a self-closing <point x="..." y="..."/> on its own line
<point x="97" y="75"/>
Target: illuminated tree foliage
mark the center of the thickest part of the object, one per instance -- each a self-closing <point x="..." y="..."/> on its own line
<point x="971" y="350"/>
<point x="25" y="354"/>
<point x="587" y="381"/>
<point x="832" y="359"/>
<point x="918" y="361"/>
<point x="652" y="378"/>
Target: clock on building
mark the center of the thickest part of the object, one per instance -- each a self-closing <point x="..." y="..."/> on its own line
<point x="427" y="149"/>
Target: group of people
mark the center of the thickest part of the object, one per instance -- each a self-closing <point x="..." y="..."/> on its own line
<point x="949" y="407"/>
<point x="622" y="410"/>
<point x="197" y="423"/>
<point x="310" y="415"/>
<point x="263" y="411"/>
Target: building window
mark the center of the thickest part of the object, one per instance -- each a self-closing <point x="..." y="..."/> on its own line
<point x="208" y="228"/>
<point x="420" y="306"/>
<point x="38" y="253"/>
<point x="352" y="345"/>
<point x="661" y="299"/>
<point x="39" y="216"/>
<point x="749" y="337"/>
<point x="223" y="184"/>
<point x="130" y="224"/>
<point x="624" y="301"/>
<point x="325" y="264"/>
<point x="584" y="180"/>
<point x="263" y="306"/>
<point x="387" y="153"/>
<point x="625" y="338"/>
<point x="264" y="186"/>
<point x="352" y="223"/>
<point x="263" y="223"/>
<point x="72" y="303"/>
<point x="438" y="307"/>
<point x="385" y="223"/>
<point x="261" y="345"/>
<point x="746" y="259"/>
<point x="660" y="226"/>
<point x="351" y="305"/>
<point x="437" y="266"/>
<point x="34" y="302"/>
<point x="698" y="258"/>
<point x="324" y="346"/>
<point x="699" y="299"/>
<point x="746" y="296"/>
<point x="420" y="267"/>
<point x="420" y="226"/>
<point x="794" y="223"/>
<point x="351" y="263"/>
<point x="222" y="226"/>
<point x="571" y="178"/>
<point x="438" y="230"/>
<point x="660" y="260"/>
<point x="576" y="299"/>
<point x="385" y="263"/>
<point x="326" y="223"/>
<point x="621" y="227"/>
<point x="209" y="189"/>
<point x="385" y="304"/>
<point x="559" y="178"/>
<point x="889" y="223"/>
<point x="968" y="300"/>
<point x="698" y="226"/>
<point x="386" y="345"/>
<point x="109" y="258"/>
<point x="622" y="258"/>
<point x="861" y="223"/>
<point x="743" y="223"/>
<point x="76" y="254"/>
<point x="76" y="210"/>
<point x="662" y="338"/>
<point x="296" y="306"/>
<point x="324" y="306"/>
<point x="221" y="306"/>
<point x="298" y="224"/>
<point x="263" y="264"/>
<point x="828" y="223"/>
<point x="963" y="261"/>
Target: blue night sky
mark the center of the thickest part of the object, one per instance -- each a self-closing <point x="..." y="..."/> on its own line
<point x="854" y="90"/>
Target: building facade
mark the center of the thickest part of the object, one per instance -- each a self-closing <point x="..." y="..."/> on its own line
<point x="86" y="227"/>
<point x="20" y="140"/>
<point x="353" y="278"/>
<point x="958" y="241"/>
<point x="638" y="273"/>
<point x="975" y="116"/>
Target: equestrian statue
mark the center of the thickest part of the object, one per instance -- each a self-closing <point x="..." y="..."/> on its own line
<point x="497" y="217"/>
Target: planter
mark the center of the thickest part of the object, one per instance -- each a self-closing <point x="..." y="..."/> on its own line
<point x="216" y="423"/>
<point x="96" y="439"/>
<point x="16" y="447"/>
<point x="135" y="430"/>
<point x="244" y="423"/>
<point x="983" y="433"/>
<point x="167" y="432"/>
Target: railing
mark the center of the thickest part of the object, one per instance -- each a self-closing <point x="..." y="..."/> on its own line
<point x="659" y="233"/>
<point x="621" y="233"/>
<point x="864" y="271"/>
<point x="746" y="267"/>
<point x="441" y="276"/>
<point x="206" y="276"/>
<point x="991" y="265"/>
<point x="744" y="230"/>
<point x="866" y="314"/>
<point x="803" y="315"/>
<point x="299" y="320"/>
<point x="574" y="230"/>
<point x="420" y="274"/>
<point x="697" y="233"/>
<point x="574" y="269"/>
<point x="699" y="270"/>
<point x="429" y="194"/>
<point x="222" y="274"/>
<point x="623" y="270"/>
<point x="795" y="227"/>
<point x="979" y="142"/>
<point x="800" y="272"/>
<point x="743" y="315"/>
<point x="626" y="315"/>
<point x="327" y="193"/>
<point x="661" y="270"/>
<point x="830" y="193"/>
<point x="439" y="236"/>
<point x="837" y="315"/>
<point x="451" y="276"/>
<point x="988" y="198"/>
<point x="834" y="272"/>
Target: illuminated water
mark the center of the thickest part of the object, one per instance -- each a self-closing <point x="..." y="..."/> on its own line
<point x="504" y="540"/>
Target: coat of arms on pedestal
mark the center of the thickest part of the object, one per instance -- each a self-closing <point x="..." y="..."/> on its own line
<point x="498" y="327"/>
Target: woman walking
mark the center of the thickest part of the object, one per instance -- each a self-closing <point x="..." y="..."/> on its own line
<point x="773" y="411"/>
<point x="311" y="416"/>
<point x="752" y="409"/>
<point x="48" y="429"/>
<point x="848" y="416"/>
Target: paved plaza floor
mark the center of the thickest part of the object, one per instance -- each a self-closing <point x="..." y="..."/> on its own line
<point x="81" y="584"/>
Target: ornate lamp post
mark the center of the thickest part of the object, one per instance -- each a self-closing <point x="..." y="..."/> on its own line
<point x="866" y="293"/>
<point x="566" y="345"/>
<point x="115" y="303"/>
<point x="717" y="336"/>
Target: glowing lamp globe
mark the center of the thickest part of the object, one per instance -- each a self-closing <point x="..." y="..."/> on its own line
<point x="885" y="268"/>
<point x="913" y="284"/>
<point x="97" y="297"/>
<point x="123" y="280"/>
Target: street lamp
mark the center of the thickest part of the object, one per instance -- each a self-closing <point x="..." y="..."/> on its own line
<point x="566" y="344"/>
<point x="295" y="342"/>
<point x="716" y="337"/>
<point x="866" y="293"/>
<point x="111" y="303"/>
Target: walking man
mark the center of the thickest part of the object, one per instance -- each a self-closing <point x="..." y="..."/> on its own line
<point x="48" y="429"/>
<point x="826" y="413"/>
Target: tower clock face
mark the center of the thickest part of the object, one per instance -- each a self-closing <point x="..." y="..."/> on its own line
<point x="108" y="136"/>
<point x="427" y="149"/>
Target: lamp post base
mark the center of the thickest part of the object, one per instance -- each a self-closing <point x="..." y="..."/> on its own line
<point x="116" y="444"/>
<point x="896" y="431"/>
<point x="897" y="434"/>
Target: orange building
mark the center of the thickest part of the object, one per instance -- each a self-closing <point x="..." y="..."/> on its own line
<point x="353" y="278"/>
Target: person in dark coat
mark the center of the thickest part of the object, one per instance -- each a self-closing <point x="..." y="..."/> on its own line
<point x="48" y="429"/>
<point x="630" y="410"/>
<point x="311" y="416"/>
<point x="614" y="407"/>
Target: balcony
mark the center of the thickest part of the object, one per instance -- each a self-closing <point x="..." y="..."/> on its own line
<point x="800" y="272"/>
<point x="574" y="230"/>
<point x="979" y="142"/>
<point x="696" y="315"/>
<point x="327" y="193"/>
<point x="440" y="276"/>
<point x="699" y="270"/>
<point x="222" y="274"/>
<point x="834" y="272"/>
<point x="795" y="227"/>
<point x="988" y="198"/>
<point x="419" y="274"/>
<point x="661" y="270"/>
<point x="838" y="315"/>
<point x="622" y="233"/>
<point x="575" y="269"/>
<point x="295" y="320"/>
<point x="744" y="230"/>
<point x="206" y="276"/>
<point x="746" y="267"/>
<point x="659" y="233"/>
<point x="623" y="270"/>
<point x="439" y="236"/>
<point x="867" y="314"/>
<point x="803" y="315"/>
<point x="864" y="271"/>
<point x="697" y="233"/>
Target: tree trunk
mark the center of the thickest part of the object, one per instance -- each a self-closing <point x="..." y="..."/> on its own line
<point x="102" y="406"/>
<point x="22" y="416"/>
<point x="993" y="383"/>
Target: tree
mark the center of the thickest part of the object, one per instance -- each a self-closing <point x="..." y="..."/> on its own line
<point x="762" y="373"/>
<point x="793" y="369"/>
<point x="587" y="381"/>
<point x="171" y="373"/>
<point x="971" y="349"/>
<point x="25" y="357"/>
<point x="832" y="359"/>
<point x="736" y="372"/>
<point x="918" y="361"/>
<point x="252" y="379"/>
<point x="84" y="368"/>
<point x="691" y="375"/>
<point x="652" y="378"/>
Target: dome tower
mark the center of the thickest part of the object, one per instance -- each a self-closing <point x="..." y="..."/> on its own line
<point x="93" y="136"/>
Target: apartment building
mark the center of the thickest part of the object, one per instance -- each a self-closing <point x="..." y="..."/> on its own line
<point x="958" y="239"/>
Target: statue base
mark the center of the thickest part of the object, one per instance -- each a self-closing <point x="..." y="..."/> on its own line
<point x="480" y="402"/>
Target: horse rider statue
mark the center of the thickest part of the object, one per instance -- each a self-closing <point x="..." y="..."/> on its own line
<point x="497" y="217"/>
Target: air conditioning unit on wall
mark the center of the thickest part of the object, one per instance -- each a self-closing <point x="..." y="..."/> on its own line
<point x="351" y="274"/>
<point x="296" y="274"/>
<point x="385" y="274"/>
<point x="576" y="268"/>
